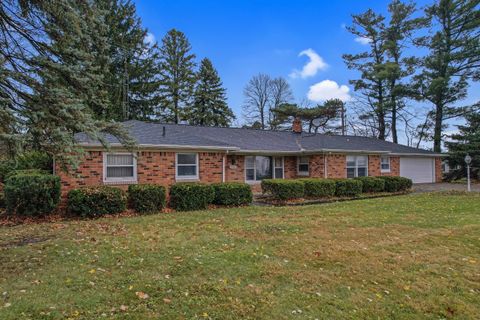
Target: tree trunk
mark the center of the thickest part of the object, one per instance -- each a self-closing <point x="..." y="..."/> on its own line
<point x="437" y="135"/>
<point x="394" y="123"/>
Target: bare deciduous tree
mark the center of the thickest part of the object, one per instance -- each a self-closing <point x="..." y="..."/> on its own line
<point x="262" y="94"/>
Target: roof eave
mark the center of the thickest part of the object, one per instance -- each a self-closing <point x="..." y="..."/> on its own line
<point x="159" y="146"/>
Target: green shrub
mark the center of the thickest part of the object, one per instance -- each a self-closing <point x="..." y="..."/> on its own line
<point x="147" y="197"/>
<point x="191" y="196"/>
<point x="348" y="187"/>
<point x="372" y="184"/>
<point x="32" y="194"/>
<point x="397" y="184"/>
<point x="283" y="189"/>
<point x="96" y="201"/>
<point x="319" y="188"/>
<point x="26" y="160"/>
<point x="232" y="194"/>
<point x="25" y="171"/>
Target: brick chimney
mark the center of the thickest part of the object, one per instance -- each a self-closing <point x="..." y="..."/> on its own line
<point x="297" y="125"/>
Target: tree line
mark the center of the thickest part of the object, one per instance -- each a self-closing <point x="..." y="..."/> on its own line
<point x="70" y="66"/>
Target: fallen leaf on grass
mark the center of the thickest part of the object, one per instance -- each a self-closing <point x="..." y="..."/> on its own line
<point x="166" y="300"/>
<point x="142" y="295"/>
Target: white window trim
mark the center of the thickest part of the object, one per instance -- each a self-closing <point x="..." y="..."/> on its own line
<point x="275" y="167"/>
<point x="255" y="169"/>
<point x="389" y="164"/>
<point x="303" y="173"/>
<point x="119" y="180"/>
<point x="356" y="165"/>
<point x="183" y="178"/>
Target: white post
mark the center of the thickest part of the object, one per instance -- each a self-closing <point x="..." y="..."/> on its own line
<point x="468" y="178"/>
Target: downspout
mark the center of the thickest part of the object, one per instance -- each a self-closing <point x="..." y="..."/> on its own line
<point x="223" y="166"/>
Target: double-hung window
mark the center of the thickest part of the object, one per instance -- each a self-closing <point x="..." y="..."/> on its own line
<point x="258" y="168"/>
<point x="385" y="164"/>
<point x="119" y="167"/>
<point x="302" y="166"/>
<point x="187" y="166"/>
<point x="357" y="166"/>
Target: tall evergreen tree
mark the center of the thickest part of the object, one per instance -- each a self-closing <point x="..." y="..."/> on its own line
<point x="69" y="87"/>
<point x="372" y="84"/>
<point x="177" y="76"/>
<point x="466" y="141"/>
<point x="453" y="59"/>
<point x="133" y="67"/>
<point x="209" y="106"/>
<point x="399" y="68"/>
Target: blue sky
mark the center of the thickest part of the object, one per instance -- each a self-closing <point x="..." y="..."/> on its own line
<point x="243" y="38"/>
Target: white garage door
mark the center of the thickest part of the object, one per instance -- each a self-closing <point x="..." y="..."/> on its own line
<point x="420" y="170"/>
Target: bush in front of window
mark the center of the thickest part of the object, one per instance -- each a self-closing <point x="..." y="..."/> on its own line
<point x="96" y="201"/>
<point x="232" y="194"/>
<point x="32" y="194"/>
<point x="282" y="189"/>
<point x="397" y="184"/>
<point x="372" y="184"/>
<point x="191" y="196"/>
<point x="319" y="188"/>
<point x="348" y="187"/>
<point x="145" y="198"/>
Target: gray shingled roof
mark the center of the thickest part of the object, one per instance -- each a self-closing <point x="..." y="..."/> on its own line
<point x="240" y="139"/>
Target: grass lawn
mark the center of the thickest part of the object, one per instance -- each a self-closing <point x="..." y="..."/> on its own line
<point x="414" y="256"/>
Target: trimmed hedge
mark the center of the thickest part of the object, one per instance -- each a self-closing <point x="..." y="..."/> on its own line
<point x="372" y="184"/>
<point x="96" y="201"/>
<point x="191" y="196"/>
<point x="147" y="197"/>
<point x="284" y="189"/>
<point x="232" y="194"/>
<point x="397" y="184"/>
<point x="348" y="187"/>
<point x="32" y="194"/>
<point x="319" y="188"/>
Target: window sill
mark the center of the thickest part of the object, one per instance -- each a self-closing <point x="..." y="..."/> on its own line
<point x="253" y="182"/>
<point x="303" y="174"/>
<point x="385" y="171"/>
<point x="119" y="182"/>
<point x="187" y="179"/>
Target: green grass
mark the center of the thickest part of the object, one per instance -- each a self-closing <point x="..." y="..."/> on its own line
<point x="413" y="256"/>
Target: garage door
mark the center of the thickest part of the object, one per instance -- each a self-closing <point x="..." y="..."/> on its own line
<point x="420" y="170"/>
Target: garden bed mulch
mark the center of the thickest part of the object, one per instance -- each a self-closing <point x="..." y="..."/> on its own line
<point x="266" y="200"/>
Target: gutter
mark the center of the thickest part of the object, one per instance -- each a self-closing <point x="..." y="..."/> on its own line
<point x="161" y="146"/>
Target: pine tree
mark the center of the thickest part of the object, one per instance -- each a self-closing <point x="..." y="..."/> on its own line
<point x="372" y="84"/>
<point x="210" y="106"/>
<point x="399" y="68"/>
<point x="70" y="87"/>
<point x="466" y="141"/>
<point x="177" y="76"/>
<point x="133" y="66"/>
<point x="453" y="59"/>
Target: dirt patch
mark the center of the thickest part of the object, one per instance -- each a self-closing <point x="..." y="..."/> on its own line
<point x="23" y="242"/>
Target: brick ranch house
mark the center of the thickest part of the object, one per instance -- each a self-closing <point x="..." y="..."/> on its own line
<point x="168" y="153"/>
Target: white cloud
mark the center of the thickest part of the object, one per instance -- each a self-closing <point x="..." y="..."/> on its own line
<point x="363" y="40"/>
<point x="149" y="38"/>
<point x="328" y="89"/>
<point x="315" y="64"/>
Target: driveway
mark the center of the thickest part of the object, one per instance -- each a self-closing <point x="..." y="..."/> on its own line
<point x="430" y="187"/>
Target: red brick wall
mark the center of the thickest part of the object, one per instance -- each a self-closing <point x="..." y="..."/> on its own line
<point x="235" y="168"/>
<point x="374" y="168"/>
<point x="438" y="169"/>
<point x="316" y="166"/>
<point x="211" y="167"/>
<point x="155" y="167"/>
<point x="290" y="167"/>
<point x="336" y="166"/>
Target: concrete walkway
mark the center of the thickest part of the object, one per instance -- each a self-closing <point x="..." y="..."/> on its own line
<point x="430" y="187"/>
